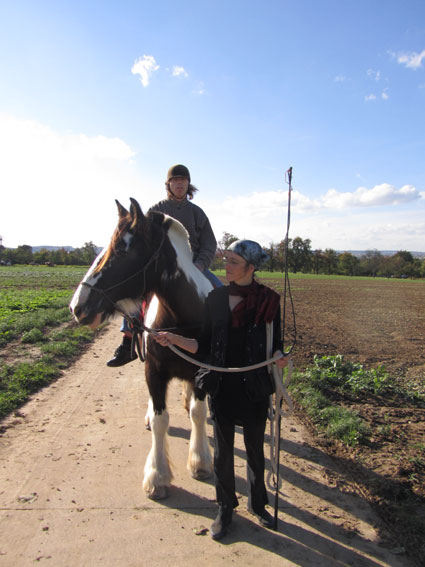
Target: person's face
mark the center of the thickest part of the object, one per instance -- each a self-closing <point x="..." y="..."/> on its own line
<point x="178" y="187"/>
<point x="237" y="269"/>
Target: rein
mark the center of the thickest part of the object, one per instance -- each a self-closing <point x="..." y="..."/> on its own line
<point x="139" y="328"/>
<point x="142" y="270"/>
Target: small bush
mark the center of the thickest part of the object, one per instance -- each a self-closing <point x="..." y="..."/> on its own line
<point x="345" y="425"/>
<point x="315" y="390"/>
<point x="33" y="336"/>
<point x="335" y="373"/>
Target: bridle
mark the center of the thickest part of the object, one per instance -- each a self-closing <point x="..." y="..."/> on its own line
<point x="142" y="270"/>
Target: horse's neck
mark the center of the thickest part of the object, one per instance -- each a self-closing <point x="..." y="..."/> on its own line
<point x="181" y="299"/>
<point x="181" y="288"/>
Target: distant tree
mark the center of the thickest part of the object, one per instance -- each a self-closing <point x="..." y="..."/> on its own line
<point x="330" y="261"/>
<point x="280" y="255"/>
<point x="302" y="259"/>
<point x="272" y="252"/>
<point x="371" y="262"/>
<point x="406" y="256"/>
<point x="23" y="254"/>
<point x="226" y="240"/>
<point x="59" y="256"/>
<point x="403" y="263"/>
<point x="89" y="253"/>
<point x="318" y="261"/>
<point x="348" y="264"/>
<point x="222" y="245"/>
<point x="8" y="255"/>
<point x="42" y="256"/>
<point x="299" y="255"/>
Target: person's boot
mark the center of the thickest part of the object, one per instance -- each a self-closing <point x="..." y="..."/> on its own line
<point x="123" y="354"/>
<point x="219" y="527"/>
<point x="264" y="517"/>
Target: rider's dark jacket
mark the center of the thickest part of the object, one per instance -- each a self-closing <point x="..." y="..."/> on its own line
<point x="195" y="221"/>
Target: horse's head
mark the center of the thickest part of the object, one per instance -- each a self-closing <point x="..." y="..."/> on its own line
<point x="119" y="277"/>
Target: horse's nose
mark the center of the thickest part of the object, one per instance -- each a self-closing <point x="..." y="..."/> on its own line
<point x="76" y="311"/>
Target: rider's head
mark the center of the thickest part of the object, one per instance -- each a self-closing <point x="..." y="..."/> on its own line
<point x="178" y="183"/>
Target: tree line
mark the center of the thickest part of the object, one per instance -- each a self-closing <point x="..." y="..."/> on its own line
<point x="24" y="254"/>
<point x="301" y="259"/>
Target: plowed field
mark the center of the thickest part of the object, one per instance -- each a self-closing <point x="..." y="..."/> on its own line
<point x="373" y="322"/>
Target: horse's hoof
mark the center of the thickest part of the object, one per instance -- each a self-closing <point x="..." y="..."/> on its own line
<point x="201" y="474"/>
<point x="158" y="493"/>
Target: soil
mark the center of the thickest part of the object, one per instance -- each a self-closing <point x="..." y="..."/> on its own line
<point x="374" y="322"/>
<point x="71" y="460"/>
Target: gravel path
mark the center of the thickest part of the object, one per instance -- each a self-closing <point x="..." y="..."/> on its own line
<point x="71" y="466"/>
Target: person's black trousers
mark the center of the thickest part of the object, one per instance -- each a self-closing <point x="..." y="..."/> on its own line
<point x="253" y="424"/>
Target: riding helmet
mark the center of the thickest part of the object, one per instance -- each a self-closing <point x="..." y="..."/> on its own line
<point x="178" y="170"/>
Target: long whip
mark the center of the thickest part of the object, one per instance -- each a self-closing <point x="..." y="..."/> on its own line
<point x="279" y="397"/>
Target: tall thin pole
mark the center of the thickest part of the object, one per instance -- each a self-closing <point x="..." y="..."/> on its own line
<point x="286" y="288"/>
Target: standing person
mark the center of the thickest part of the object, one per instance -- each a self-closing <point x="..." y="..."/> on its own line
<point x="234" y="335"/>
<point x="178" y="205"/>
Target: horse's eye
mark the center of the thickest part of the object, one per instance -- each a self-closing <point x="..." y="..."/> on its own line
<point x="121" y="252"/>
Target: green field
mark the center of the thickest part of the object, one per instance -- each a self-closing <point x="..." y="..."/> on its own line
<point x="37" y="336"/>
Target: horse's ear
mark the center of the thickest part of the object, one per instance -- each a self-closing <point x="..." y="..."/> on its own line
<point x="136" y="213"/>
<point x="122" y="211"/>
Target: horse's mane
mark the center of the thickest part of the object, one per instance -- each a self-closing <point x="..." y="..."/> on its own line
<point x="178" y="235"/>
<point x="124" y="224"/>
<point x="179" y="239"/>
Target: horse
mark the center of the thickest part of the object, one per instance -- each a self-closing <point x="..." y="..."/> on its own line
<point x="149" y="256"/>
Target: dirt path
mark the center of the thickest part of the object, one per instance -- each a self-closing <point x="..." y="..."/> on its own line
<point x="71" y="466"/>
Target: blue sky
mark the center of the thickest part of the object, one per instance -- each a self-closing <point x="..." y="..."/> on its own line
<point x="99" y="98"/>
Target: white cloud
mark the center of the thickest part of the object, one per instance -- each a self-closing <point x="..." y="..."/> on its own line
<point x="145" y="67"/>
<point x="385" y="95"/>
<point x="262" y="217"/>
<point x="340" y="79"/>
<point x="375" y="75"/>
<point x="60" y="188"/>
<point x="370" y="97"/>
<point x="179" y="72"/>
<point x="267" y="212"/>
<point x="200" y="89"/>
<point x="380" y="195"/>
<point x="411" y="60"/>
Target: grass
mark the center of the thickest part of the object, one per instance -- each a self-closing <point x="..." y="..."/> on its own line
<point x="37" y="334"/>
<point x="301" y="276"/>
<point x="325" y="389"/>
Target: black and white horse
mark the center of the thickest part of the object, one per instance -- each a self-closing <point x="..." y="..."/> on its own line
<point x="150" y="256"/>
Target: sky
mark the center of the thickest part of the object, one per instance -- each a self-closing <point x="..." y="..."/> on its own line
<point x="99" y="98"/>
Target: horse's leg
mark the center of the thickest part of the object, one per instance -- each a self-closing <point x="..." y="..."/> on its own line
<point x="158" y="475"/>
<point x="199" y="462"/>
<point x="148" y="413"/>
